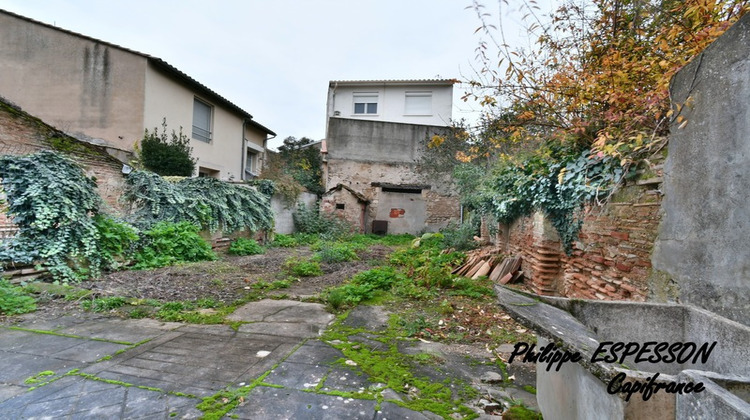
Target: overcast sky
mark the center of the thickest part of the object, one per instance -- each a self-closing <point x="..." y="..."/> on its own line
<point x="274" y="58"/>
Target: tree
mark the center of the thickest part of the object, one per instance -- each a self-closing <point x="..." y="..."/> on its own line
<point x="167" y="155"/>
<point x="303" y="162"/>
<point x="598" y="72"/>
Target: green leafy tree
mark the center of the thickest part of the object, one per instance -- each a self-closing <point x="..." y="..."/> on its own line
<point x="167" y="155"/>
<point x="303" y="162"/>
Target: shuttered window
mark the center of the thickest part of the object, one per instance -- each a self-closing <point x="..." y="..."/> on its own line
<point x="201" y="121"/>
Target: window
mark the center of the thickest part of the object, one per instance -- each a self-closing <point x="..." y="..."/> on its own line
<point x="418" y="103"/>
<point x="208" y="173"/>
<point x="366" y="103"/>
<point x="201" y="121"/>
<point x="340" y="206"/>
<point x="251" y="170"/>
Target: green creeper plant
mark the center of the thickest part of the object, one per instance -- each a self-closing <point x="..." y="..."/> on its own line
<point x="51" y="200"/>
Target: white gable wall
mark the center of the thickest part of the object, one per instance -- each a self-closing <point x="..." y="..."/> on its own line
<point x="392" y="102"/>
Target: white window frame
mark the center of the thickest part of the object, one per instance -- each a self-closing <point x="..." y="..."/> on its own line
<point x="200" y="133"/>
<point x="367" y="99"/>
<point x="418" y="103"/>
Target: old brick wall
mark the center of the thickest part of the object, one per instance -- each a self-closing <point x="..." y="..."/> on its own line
<point x="441" y="205"/>
<point x="22" y="134"/>
<point x="610" y="261"/>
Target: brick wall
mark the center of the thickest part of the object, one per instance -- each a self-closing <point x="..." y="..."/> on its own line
<point x="610" y="261"/>
<point x="22" y="134"/>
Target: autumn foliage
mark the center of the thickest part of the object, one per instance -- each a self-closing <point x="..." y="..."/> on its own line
<point x="599" y="71"/>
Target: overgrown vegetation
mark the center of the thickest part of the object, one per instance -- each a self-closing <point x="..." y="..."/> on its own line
<point x="61" y="226"/>
<point x="243" y="246"/>
<point x="206" y="202"/>
<point x="566" y="121"/>
<point x="327" y="226"/>
<point x="167" y="155"/>
<point x="52" y="202"/>
<point x="13" y="300"/>
<point x="167" y="243"/>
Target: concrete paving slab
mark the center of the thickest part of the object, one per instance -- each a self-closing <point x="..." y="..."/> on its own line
<point x="288" y="318"/>
<point x="10" y="391"/>
<point x="130" y="331"/>
<point x="391" y="411"/>
<point x="371" y="318"/>
<point x="346" y="380"/>
<point x="315" y="352"/>
<point x="78" y="397"/>
<point x="291" y="330"/>
<point x="273" y="403"/>
<point x="297" y="375"/>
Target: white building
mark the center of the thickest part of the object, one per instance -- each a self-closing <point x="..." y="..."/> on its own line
<point x="423" y="102"/>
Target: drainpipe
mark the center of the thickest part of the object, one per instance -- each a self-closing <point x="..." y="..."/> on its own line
<point x="243" y="155"/>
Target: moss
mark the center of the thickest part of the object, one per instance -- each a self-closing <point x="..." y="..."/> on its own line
<point x="520" y="412"/>
<point x="662" y="287"/>
<point x="125" y="343"/>
<point x="67" y="145"/>
<point x="394" y="369"/>
<point x="39" y="377"/>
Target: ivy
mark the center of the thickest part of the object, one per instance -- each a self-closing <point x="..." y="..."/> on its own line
<point x="206" y="202"/>
<point x="558" y="186"/>
<point x="51" y="201"/>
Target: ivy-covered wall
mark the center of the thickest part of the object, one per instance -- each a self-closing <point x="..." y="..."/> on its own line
<point x="611" y="259"/>
<point x="22" y="134"/>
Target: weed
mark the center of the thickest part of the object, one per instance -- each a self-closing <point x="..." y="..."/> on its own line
<point x="104" y="304"/>
<point x="169" y="243"/>
<point x="242" y="246"/>
<point x="13" y="300"/>
<point x="302" y="268"/>
<point x="284" y="241"/>
<point x="335" y="252"/>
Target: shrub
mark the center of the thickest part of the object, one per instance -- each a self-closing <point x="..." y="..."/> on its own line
<point x="167" y="155"/>
<point x="363" y="286"/>
<point x="458" y="236"/>
<point x="284" y="241"/>
<point x="302" y="268"/>
<point x="168" y="243"/>
<point x="311" y="220"/>
<point x="334" y="252"/>
<point x="104" y="304"/>
<point x="116" y="239"/>
<point x="13" y="300"/>
<point x="242" y="246"/>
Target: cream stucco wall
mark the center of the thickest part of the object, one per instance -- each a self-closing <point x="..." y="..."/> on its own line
<point x="81" y="86"/>
<point x="391" y="102"/>
<point x="168" y="99"/>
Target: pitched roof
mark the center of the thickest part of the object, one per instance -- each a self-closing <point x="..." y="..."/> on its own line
<point x="161" y="64"/>
<point x="357" y="195"/>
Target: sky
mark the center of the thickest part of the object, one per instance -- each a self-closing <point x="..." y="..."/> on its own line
<point x="274" y="58"/>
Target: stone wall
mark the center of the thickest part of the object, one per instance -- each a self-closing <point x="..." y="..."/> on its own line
<point x="22" y="134"/>
<point x="368" y="156"/>
<point x="611" y="259"/>
<point x="702" y="255"/>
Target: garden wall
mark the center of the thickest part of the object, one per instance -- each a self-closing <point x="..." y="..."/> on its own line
<point x="612" y="258"/>
<point x="282" y="211"/>
<point x="22" y="134"/>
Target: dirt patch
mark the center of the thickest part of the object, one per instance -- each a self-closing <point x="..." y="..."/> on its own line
<point x="227" y="280"/>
